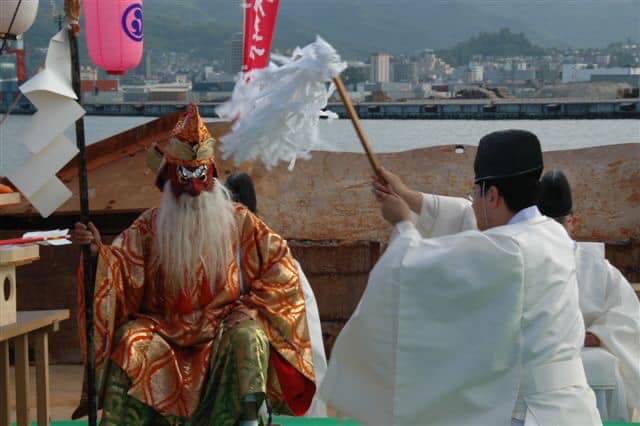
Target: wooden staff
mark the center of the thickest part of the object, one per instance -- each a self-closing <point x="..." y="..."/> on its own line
<point x="72" y="12"/>
<point x="373" y="160"/>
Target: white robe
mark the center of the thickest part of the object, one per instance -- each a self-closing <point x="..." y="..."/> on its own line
<point x="611" y="311"/>
<point x="450" y="330"/>
<point x="318" y="407"/>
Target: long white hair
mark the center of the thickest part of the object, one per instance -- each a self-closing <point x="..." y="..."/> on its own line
<point x="194" y="235"/>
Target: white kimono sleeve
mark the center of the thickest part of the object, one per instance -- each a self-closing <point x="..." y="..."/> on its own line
<point x="436" y="338"/>
<point x="442" y="215"/>
<point x="612" y="312"/>
<point x="318" y="408"/>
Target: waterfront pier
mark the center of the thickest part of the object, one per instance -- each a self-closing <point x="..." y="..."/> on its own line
<point x="429" y="109"/>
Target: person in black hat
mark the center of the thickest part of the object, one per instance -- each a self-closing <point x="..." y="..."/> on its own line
<point x="474" y="327"/>
<point x="609" y="306"/>
<point x="242" y="190"/>
<point x="555" y="199"/>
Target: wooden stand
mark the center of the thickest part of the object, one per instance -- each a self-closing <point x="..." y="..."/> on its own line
<point x="10" y="257"/>
<point x="17" y="328"/>
<point x="33" y="326"/>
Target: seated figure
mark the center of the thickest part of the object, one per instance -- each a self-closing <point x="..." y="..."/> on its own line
<point x="610" y="309"/>
<point x="242" y="190"/>
<point x="176" y="339"/>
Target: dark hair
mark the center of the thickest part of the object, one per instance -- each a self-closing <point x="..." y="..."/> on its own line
<point x="519" y="192"/>
<point x="562" y="220"/>
<point x="242" y="190"/>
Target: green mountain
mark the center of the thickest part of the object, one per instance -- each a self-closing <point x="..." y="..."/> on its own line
<point x="501" y="43"/>
<point x="360" y="27"/>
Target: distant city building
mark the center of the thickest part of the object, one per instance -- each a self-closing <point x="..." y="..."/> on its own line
<point x="7" y="71"/>
<point x="137" y="93"/>
<point x="99" y="86"/>
<point x="209" y="73"/>
<point x="235" y="53"/>
<point x="632" y="80"/>
<point x="148" y="74"/>
<point x="88" y="73"/>
<point x="458" y="74"/>
<point x="101" y="91"/>
<point x="430" y="67"/>
<point x="427" y="63"/>
<point x="380" y="68"/>
<point x="475" y="73"/>
<point x="549" y="73"/>
<point x="574" y="73"/>
<point x="213" y="86"/>
<point x="405" y="71"/>
<point x="213" y="91"/>
<point x="396" y="91"/>
<point x="499" y="75"/>
<point x="603" y="60"/>
<point x="356" y="72"/>
<point x="160" y="92"/>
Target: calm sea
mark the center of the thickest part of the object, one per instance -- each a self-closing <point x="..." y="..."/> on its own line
<point x="384" y="135"/>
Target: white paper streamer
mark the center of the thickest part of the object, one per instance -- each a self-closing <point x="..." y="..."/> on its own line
<point x="278" y="107"/>
<point x="52" y="94"/>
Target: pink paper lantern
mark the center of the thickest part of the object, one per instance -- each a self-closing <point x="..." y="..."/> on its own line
<point x="114" y="33"/>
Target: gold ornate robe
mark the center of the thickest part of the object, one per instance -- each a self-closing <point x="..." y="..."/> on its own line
<point x="166" y="355"/>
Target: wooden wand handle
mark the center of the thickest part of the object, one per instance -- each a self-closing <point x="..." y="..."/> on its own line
<point x="373" y="160"/>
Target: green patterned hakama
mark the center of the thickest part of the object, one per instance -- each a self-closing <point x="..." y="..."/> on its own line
<point x="238" y="367"/>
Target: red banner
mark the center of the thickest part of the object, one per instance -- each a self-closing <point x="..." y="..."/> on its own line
<point x="259" y="23"/>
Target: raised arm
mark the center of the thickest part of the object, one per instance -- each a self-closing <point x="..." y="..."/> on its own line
<point x="433" y="215"/>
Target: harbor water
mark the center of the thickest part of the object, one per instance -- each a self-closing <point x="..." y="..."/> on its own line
<point x="384" y="135"/>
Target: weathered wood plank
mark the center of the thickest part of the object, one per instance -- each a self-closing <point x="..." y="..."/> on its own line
<point x="4" y="383"/>
<point x="21" y="350"/>
<point x="41" y="346"/>
<point x="29" y="321"/>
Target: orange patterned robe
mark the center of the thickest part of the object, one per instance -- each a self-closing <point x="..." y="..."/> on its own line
<point x="166" y="355"/>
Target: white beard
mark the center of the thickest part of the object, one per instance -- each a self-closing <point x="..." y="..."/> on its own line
<point x="193" y="233"/>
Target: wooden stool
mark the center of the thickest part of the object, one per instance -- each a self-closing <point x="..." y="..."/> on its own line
<point x="36" y="324"/>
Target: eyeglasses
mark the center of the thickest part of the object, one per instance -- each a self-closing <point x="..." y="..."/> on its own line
<point x="472" y="194"/>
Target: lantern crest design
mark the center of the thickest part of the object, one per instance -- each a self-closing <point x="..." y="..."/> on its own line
<point x="114" y="31"/>
<point x="16" y="17"/>
<point x="132" y="22"/>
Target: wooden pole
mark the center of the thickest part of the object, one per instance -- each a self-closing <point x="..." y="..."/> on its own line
<point x="90" y="372"/>
<point x="373" y="160"/>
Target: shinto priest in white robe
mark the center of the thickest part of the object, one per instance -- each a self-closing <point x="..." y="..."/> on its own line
<point x="611" y="311"/>
<point x="461" y="327"/>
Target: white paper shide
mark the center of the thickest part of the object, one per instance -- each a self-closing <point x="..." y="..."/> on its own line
<point x="277" y="108"/>
<point x="52" y="94"/>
